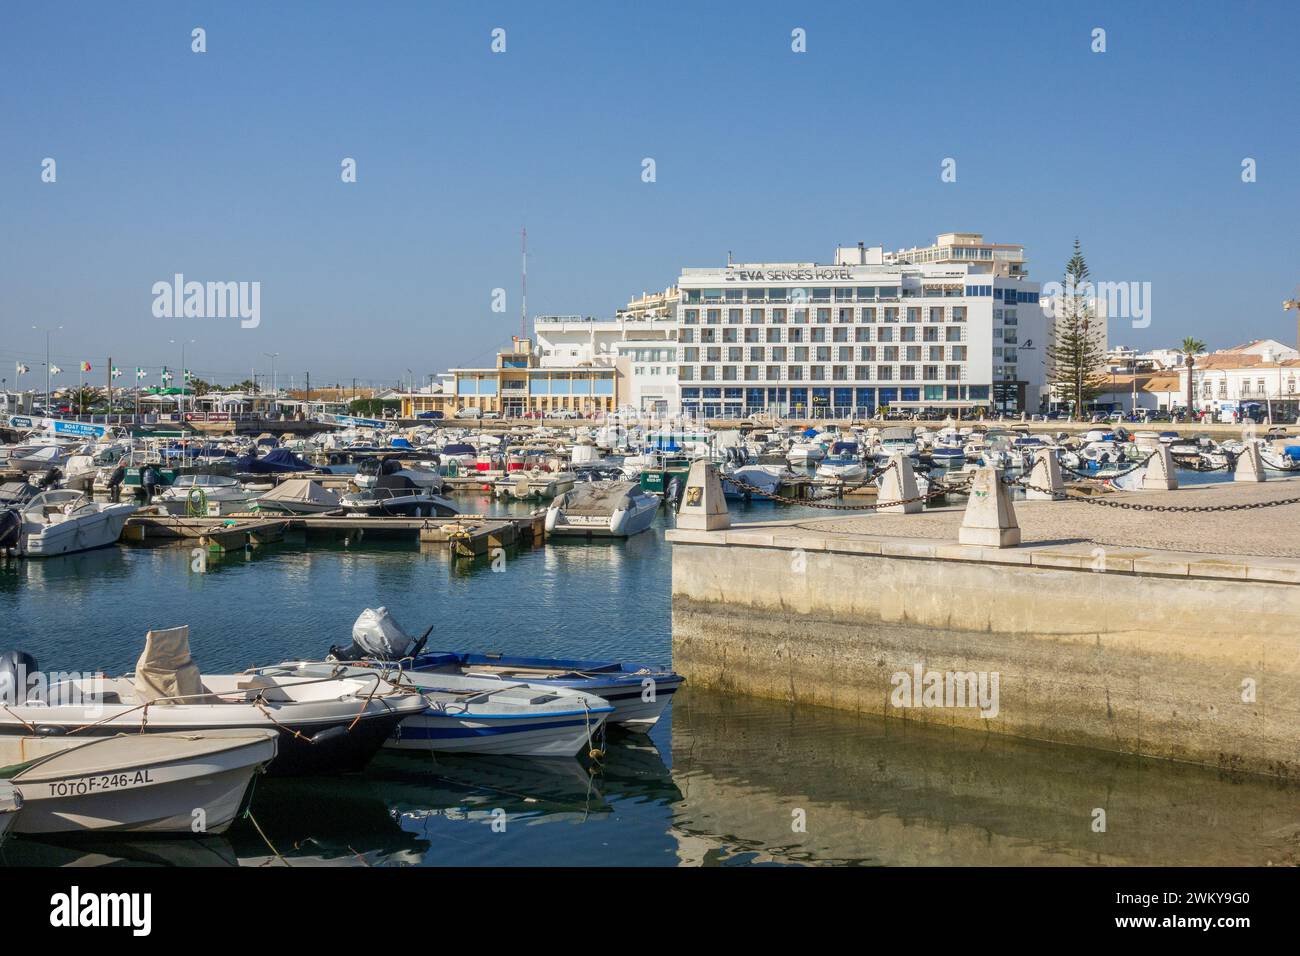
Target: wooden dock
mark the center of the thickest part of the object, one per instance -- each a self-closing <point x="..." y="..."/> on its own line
<point x="466" y="535"/>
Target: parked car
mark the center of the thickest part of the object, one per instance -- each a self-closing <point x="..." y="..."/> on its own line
<point x="430" y="415"/>
<point x="490" y="414"/>
<point x="469" y="413"/>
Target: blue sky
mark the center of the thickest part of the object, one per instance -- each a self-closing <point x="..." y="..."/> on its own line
<point x="225" y="165"/>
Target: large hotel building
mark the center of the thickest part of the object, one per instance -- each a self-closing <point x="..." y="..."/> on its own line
<point x="952" y="326"/>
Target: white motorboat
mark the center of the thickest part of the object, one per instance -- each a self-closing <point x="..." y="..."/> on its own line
<point x="298" y="496"/>
<point x="534" y="484"/>
<point x="766" y="478"/>
<point x="803" y="453"/>
<point x="396" y="495"/>
<point x="424" y="474"/>
<point x="63" y="521"/>
<point x="478" y="715"/>
<point x="602" y="509"/>
<point x="205" y="495"/>
<point x="39" y="457"/>
<point x="143" y="783"/>
<point x="324" y="725"/>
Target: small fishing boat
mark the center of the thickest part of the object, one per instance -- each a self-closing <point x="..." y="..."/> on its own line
<point x="62" y="521"/>
<point x="205" y="495"/>
<point x="602" y="509"/>
<point x="140" y="783"/>
<point x="639" y="693"/>
<point x="324" y="725"/>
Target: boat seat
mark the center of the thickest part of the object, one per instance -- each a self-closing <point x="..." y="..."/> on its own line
<point x="166" y="670"/>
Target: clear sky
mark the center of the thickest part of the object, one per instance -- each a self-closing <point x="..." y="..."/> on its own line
<point x="225" y="165"/>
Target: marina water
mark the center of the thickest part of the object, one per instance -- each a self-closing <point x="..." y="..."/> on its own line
<point x="720" y="780"/>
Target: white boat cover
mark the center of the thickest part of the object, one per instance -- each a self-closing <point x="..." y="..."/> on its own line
<point x="599" y="497"/>
<point x="166" y="670"/>
<point x="301" y="491"/>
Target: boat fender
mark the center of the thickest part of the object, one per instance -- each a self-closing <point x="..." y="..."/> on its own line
<point x="11" y="527"/>
<point x="328" y="735"/>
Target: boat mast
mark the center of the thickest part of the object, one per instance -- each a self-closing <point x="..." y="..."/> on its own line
<point x="523" y="282"/>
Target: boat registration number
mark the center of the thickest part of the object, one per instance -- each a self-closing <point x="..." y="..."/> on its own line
<point x="100" y="784"/>
<point x="586" y="519"/>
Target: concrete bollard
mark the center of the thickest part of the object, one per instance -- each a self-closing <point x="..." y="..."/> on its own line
<point x="703" y="506"/>
<point x="990" y="519"/>
<point x="1046" y="473"/>
<point x="1250" y="466"/>
<point x="1159" y="473"/>
<point x="899" y="485"/>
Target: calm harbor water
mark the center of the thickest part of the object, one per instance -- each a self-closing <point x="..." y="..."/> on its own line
<point x="717" y="782"/>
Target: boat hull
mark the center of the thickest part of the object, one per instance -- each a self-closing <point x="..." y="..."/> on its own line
<point x="561" y="735"/>
<point x="87" y="533"/>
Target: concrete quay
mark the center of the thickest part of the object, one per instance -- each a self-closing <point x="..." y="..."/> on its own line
<point x="1145" y="633"/>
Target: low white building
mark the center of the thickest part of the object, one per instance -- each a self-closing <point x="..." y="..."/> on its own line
<point x="1244" y="384"/>
<point x="640" y="346"/>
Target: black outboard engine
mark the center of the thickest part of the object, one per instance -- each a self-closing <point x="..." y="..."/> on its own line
<point x="390" y="466"/>
<point x="50" y="478"/>
<point x="16" y="670"/>
<point x="11" y="528"/>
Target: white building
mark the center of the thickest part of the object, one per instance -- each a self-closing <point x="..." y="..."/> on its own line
<point x="641" y="346"/>
<point x="1240" y="382"/>
<point x="953" y="326"/>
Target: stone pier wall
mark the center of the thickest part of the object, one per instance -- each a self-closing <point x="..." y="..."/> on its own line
<point x="1160" y="654"/>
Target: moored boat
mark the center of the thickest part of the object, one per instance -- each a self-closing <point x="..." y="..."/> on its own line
<point x="605" y="509"/>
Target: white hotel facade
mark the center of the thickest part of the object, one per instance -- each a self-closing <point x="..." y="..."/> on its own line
<point x="952" y="326"/>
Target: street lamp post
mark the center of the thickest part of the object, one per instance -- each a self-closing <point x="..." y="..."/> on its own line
<point x="184" y="376"/>
<point x="47" y="331"/>
<point x="275" y="393"/>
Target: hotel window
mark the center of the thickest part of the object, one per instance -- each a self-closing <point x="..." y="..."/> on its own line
<point x="691" y="295"/>
<point x="839" y="335"/>
<point x="735" y="295"/>
<point x="774" y="373"/>
<point x="751" y="373"/>
<point x="707" y="373"/>
<point x="778" y="316"/>
<point x="708" y="335"/>
<point x="824" y="316"/>
<point x="846" y="316"/>
<point x="691" y="354"/>
<point x="1010" y="319"/>
<point x="756" y="353"/>
<point x="929" y="334"/>
<point x="862" y="334"/>
<point x="735" y="316"/>
<point x="686" y="374"/>
<point x="713" y="355"/>
<point x="844" y="353"/>
<point x="778" y="353"/>
<point x="891" y="315"/>
<point x="1009" y="355"/>
<point x="866" y="293"/>
<point x="821" y="295"/>
<point x="862" y="372"/>
<point x="686" y="335"/>
<point x="801" y="316"/>
<point x="913" y="313"/>
<point x="1010" y="338"/>
<point x="823" y="353"/>
<point x="889" y="353"/>
<point x="843" y="295"/>
<point x="818" y="335"/>
<point x="888" y="292"/>
<point x="794" y="335"/>
<point x="692" y="317"/>
<point x="735" y="354"/>
<point x="912" y="353"/>
<point x="817" y="373"/>
<point x="907" y="373"/>
<point x="773" y="335"/>
<point x="777" y="295"/>
<point x="730" y="335"/>
<point x="997" y="333"/>
<point x="713" y="316"/>
<point x="756" y="316"/>
<point x="936" y="314"/>
<point x="958" y="353"/>
<point x="794" y="373"/>
<point x="885" y="335"/>
<point x="867" y="353"/>
<point x="930" y="372"/>
<point x="801" y="353"/>
<point x="729" y="373"/>
<point x="959" y="313"/>
<point x="840" y="373"/>
<point x="952" y="373"/>
<point x="753" y="335"/>
<point x="755" y="295"/>
<point x="907" y="334"/>
<point x="884" y="373"/>
<point x="952" y="333"/>
<point x="868" y="315"/>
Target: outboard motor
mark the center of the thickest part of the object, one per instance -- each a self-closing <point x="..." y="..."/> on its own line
<point x="390" y="466"/>
<point x="11" y="528"/>
<point x="675" y="490"/>
<point x="16" y="669"/>
<point x="49" y="479"/>
<point x="375" y="635"/>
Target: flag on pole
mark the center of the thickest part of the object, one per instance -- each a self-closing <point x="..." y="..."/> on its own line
<point x="85" y="366"/>
<point x="117" y="372"/>
<point x="23" y="369"/>
<point x="166" y="375"/>
<point x="55" y="370"/>
<point x="140" y="374"/>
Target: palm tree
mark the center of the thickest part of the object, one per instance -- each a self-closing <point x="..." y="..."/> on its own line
<point x="1191" y="348"/>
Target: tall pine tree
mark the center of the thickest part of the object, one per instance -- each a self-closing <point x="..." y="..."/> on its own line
<point x="1076" y="354"/>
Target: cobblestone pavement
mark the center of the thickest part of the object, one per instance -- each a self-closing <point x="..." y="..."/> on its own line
<point x="1271" y="532"/>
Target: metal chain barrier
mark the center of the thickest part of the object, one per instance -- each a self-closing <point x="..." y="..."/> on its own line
<point x="937" y="490"/>
<point x="1119" y="474"/>
<point x="1137" y="506"/>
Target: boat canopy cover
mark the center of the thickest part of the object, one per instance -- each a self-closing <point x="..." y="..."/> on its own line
<point x="599" y="497"/>
<point x="397" y="483"/>
<point x="459" y="448"/>
<point x="301" y="490"/>
<point x="897" y="433"/>
<point x="810" y="433"/>
<point x="17" y="493"/>
<point x="275" y="460"/>
<point x="844" y="448"/>
<point x="166" y="670"/>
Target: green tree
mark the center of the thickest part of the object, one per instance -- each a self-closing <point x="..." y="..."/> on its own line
<point x="1075" y="355"/>
<point x="199" y="387"/>
<point x="85" y="397"/>
<point x="1191" y="348"/>
<point x="372" y="407"/>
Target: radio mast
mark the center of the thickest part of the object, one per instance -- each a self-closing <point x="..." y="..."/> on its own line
<point x="523" y="282"/>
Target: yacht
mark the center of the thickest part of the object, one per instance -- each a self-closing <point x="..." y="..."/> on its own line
<point x="397" y="496"/>
<point x="602" y="509"/>
<point x="205" y="495"/>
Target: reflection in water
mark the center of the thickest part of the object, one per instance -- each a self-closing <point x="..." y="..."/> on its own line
<point x="887" y="792"/>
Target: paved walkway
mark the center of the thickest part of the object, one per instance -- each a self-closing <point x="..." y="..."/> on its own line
<point x="1269" y="532"/>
